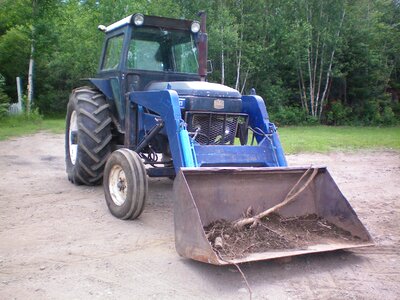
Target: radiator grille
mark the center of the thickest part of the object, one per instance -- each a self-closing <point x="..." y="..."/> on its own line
<point x="214" y="128"/>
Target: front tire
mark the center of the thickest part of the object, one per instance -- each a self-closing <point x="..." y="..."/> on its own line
<point x="87" y="136"/>
<point x="125" y="184"/>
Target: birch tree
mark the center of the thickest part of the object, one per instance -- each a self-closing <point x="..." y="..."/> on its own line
<point x="31" y="58"/>
<point x="322" y="27"/>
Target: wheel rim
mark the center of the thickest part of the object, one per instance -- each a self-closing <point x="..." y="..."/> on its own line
<point x="73" y="137"/>
<point x="117" y="185"/>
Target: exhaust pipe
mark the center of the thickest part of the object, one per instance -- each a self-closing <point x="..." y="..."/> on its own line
<point x="203" y="46"/>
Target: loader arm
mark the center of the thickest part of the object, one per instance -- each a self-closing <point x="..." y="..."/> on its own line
<point x="166" y="104"/>
<point x="185" y="153"/>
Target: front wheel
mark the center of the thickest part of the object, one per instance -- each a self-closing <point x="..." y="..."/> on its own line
<point x="125" y="184"/>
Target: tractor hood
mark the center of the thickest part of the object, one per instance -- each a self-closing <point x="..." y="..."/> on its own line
<point x="196" y="89"/>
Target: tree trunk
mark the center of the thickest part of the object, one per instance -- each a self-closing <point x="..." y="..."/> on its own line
<point x="301" y="94"/>
<point x="31" y="60"/>
<point x="222" y="59"/>
<point x="328" y="73"/>
<point x="239" y="61"/>
<point x="245" y="80"/>
<point x="315" y="73"/>
<point x="303" y="89"/>
<point x="30" y="81"/>
<point x="328" y="76"/>
<point x="239" y="52"/>
<point x="320" y="75"/>
<point x="309" y="59"/>
<point x="311" y="82"/>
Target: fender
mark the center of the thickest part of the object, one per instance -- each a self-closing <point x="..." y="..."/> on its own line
<point x="103" y="85"/>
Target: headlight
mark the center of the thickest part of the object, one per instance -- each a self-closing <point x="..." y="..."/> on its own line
<point x="195" y="27"/>
<point x="102" y="28"/>
<point x="138" y="19"/>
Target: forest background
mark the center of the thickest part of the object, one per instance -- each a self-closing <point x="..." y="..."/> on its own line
<point x="334" y="62"/>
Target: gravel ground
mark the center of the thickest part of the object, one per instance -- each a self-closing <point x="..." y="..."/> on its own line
<point x="58" y="241"/>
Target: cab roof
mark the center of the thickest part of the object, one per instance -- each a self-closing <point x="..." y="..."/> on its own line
<point x="155" y="21"/>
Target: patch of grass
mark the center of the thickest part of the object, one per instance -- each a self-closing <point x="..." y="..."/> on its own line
<point x="54" y="125"/>
<point x="22" y="125"/>
<point x="293" y="139"/>
<point x="325" y="138"/>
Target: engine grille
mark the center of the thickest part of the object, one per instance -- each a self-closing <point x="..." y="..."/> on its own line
<point x="214" y="128"/>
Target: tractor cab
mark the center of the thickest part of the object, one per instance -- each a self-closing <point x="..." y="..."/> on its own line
<point x="148" y="53"/>
<point x="140" y="50"/>
<point x="152" y="47"/>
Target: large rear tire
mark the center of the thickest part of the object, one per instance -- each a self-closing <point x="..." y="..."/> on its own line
<point x="87" y="136"/>
<point x="125" y="184"/>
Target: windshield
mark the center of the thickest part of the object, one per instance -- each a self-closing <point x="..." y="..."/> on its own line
<point x="155" y="49"/>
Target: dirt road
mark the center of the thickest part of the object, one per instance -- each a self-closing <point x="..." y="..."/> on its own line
<point x="58" y="241"/>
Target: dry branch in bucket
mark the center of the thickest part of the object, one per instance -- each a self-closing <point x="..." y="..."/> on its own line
<point x="290" y="197"/>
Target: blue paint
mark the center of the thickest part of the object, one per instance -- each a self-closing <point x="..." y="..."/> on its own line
<point x="255" y="107"/>
<point x="187" y="150"/>
<point x="278" y="148"/>
<point x="104" y="86"/>
<point x="219" y="155"/>
<point x="166" y="104"/>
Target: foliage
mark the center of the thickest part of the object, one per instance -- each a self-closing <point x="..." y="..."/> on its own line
<point x="339" y="114"/>
<point x="332" y="61"/>
<point x="18" y="125"/>
<point x="378" y="112"/>
<point x="4" y="99"/>
<point x="289" y="115"/>
<point x="3" y="110"/>
<point x="14" y="41"/>
<point x="388" y="116"/>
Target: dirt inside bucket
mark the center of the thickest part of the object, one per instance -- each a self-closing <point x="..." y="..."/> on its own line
<point x="273" y="233"/>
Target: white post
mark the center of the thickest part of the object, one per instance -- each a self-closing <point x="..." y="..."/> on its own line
<point x="30" y="81"/>
<point x="19" y="92"/>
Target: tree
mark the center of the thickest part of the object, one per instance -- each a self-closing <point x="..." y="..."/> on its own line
<point x="304" y="56"/>
<point x="368" y="60"/>
<point x="15" y="17"/>
<point x="4" y="99"/>
<point x="320" y="27"/>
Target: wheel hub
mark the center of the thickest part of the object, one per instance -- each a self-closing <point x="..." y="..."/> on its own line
<point x="121" y="184"/>
<point x="118" y="185"/>
<point x="73" y="137"/>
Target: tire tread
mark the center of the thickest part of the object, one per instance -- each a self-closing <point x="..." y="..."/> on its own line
<point x="94" y="136"/>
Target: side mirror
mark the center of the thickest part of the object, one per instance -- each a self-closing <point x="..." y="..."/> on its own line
<point x="210" y="68"/>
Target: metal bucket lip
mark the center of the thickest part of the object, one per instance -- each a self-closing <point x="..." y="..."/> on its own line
<point x="250" y="169"/>
<point x="270" y="255"/>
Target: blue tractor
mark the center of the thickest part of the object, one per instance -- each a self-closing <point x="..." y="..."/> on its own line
<point x="151" y="112"/>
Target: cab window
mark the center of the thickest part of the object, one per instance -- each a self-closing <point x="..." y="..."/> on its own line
<point x="144" y="55"/>
<point x="157" y="49"/>
<point x="113" y="53"/>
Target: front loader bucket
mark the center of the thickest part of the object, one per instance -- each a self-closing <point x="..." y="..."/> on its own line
<point x="206" y="195"/>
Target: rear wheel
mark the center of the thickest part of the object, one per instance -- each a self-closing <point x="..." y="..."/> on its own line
<point x="87" y="136"/>
<point x="125" y="184"/>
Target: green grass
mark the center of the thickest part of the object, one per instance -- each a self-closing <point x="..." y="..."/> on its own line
<point x="325" y="139"/>
<point x="294" y="139"/>
<point x="22" y="125"/>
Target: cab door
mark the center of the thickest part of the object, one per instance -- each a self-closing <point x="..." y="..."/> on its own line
<point x="111" y="68"/>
